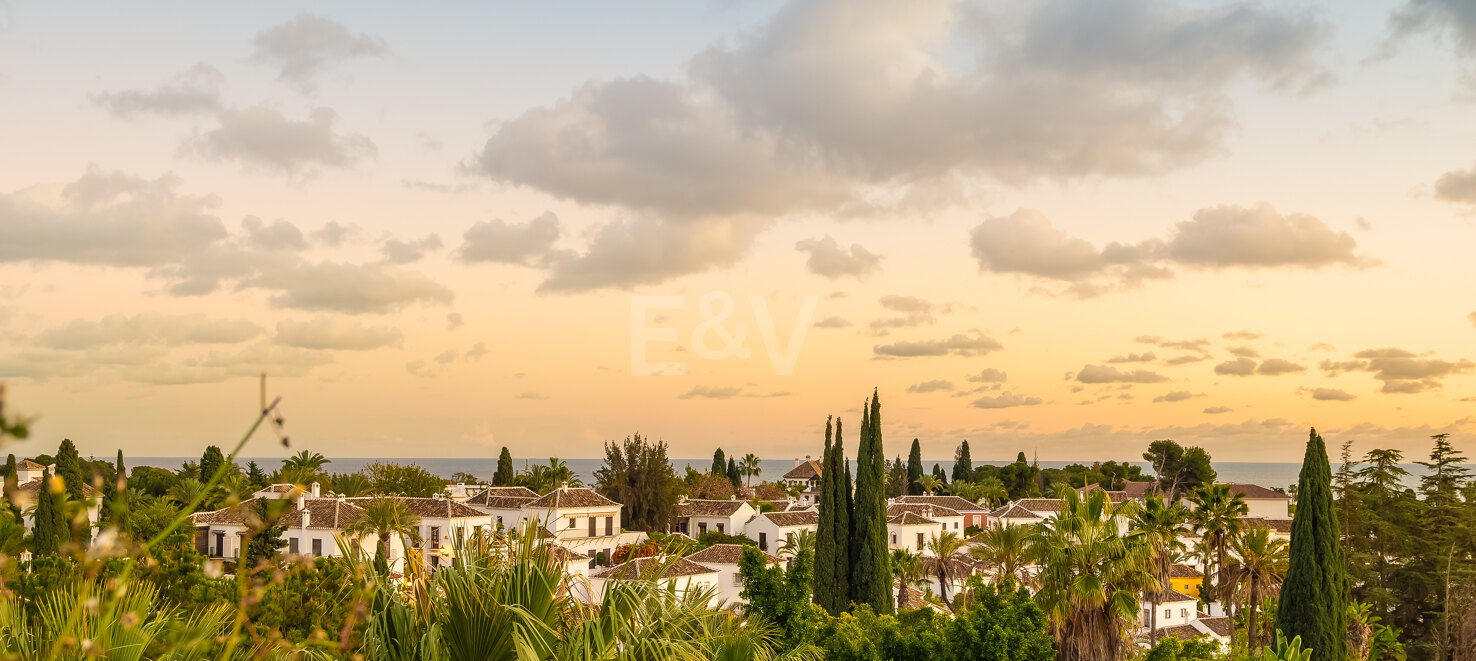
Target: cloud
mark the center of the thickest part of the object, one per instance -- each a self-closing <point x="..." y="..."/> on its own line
<point x="332" y="332"/>
<point x="1457" y="186"/>
<point x="624" y="254"/>
<point x="1244" y="335"/>
<point x="147" y="328"/>
<point x="1175" y="396"/>
<point x="476" y="352"/>
<point x="266" y="138"/>
<point x="1329" y="394"/>
<point x="1259" y="236"/>
<point x="1216" y="410"/>
<point x="272" y="359"/>
<point x="1401" y="371"/>
<point x="302" y="48"/>
<point x="498" y="241"/>
<point x="1438" y="17"/>
<point x="280" y="235"/>
<point x="351" y="288"/>
<point x="1026" y="242"/>
<point x="914" y="312"/>
<point x="936" y="385"/>
<point x="192" y="91"/>
<point x="715" y="392"/>
<point x="1278" y="366"/>
<point x="973" y="343"/>
<point x="1104" y="374"/>
<point x="1200" y="344"/>
<point x="397" y="251"/>
<point x="531" y="395"/>
<point x="1146" y="357"/>
<point x="1005" y="400"/>
<point x="1321" y="346"/>
<point x="828" y="259"/>
<point x="454" y="321"/>
<point x="1185" y="360"/>
<point x="833" y="322"/>
<point x="333" y="234"/>
<point x="1243" y="352"/>
<point x="989" y="375"/>
<point x="1238" y="367"/>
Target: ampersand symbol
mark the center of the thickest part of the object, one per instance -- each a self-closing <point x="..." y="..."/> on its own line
<point x="715" y="308"/>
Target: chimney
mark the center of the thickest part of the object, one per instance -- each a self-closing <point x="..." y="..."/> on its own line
<point x="797" y="462"/>
<point x="301" y="500"/>
<point x="807" y="457"/>
<point x="316" y="490"/>
<point x="307" y="517"/>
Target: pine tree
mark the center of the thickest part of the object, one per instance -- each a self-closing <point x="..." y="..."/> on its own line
<point x="1314" y="594"/>
<point x="871" y="582"/>
<point x="69" y="468"/>
<point x="11" y="484"/>
<point x="963" y="464"/>
<point x="720" y="461"/>
<point x="256" y="476"/>
<point x="44" y="541"/>
<point x="504" y="475"/>
<point x="210" y="462"/>
<point x="914" y="469"/>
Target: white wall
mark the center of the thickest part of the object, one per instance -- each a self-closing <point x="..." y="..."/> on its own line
<point x="1269" y="508"/>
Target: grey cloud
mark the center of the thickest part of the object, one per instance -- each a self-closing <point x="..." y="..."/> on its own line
<point x="264" y="137"/>
<point x="936" y="385"/>
<point x="195" y="90"/>
<point x="832" y="322"/>
<point x="1278" y="366"/>
<point x="1321" y="346"/>
<point x="1237" y="367"/>
<point x="1026" y="242"/>
<point x="454" y="321"/>
<point x="1146" y="357"/>
<point x="280" y="235"/>
<point x="498" y="241"/>
<point x="828" y="259"/>
<point x="714" y="392"/>
<point x="1104" y="374"/>
<point x="1244" y="335"/>
<point x="1216" y="410"/>
<point x="973" y="343"/>
<point x="398" y="251"/>
<point x="333" y="234"/>
<point x="331" y="332"/>
<point x="275" y="360"/>
<point x="1401" y="371"/>
<point x="1175" y="396"/>
<point x="1005" y="400"/>
<point x="1259" y="236"/>
<point x="647" y="251"/>
<point x="305" y="46"/>
<point x="531" y="395"/>
<point x="1185" y="360"/>
<point x="352" y="288"/>
<point x="476" y="352"/>
<point x="1457" y="186"/>
<point x="1331" y="394"/>
<point x="989" y="375"/>
<point x="915" y="312"/>
<point x="1243" y="352"/>
<point x="148" y="328"/>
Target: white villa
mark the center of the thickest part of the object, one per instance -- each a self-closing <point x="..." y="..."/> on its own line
<point x="973" y="514"/>
<point x="805" y="474"/>
<point x="772" y="529"/>
<point x="580" y="520"/>
<point x="724" y="558"/>
<point x="695" y="516"/>
<point x="28" y="476"/>
<point x="667" y="571"/>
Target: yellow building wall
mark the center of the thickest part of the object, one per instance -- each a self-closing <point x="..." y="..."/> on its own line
<point x="1189" y="586"/>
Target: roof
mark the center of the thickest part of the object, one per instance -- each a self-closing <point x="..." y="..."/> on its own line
<point x="1180" y="631"/>
<point x="227" y="515"/>
<point x="28" y="465"/>
<point x="1168" y="597"/>
<point x="913" y="598"/>
<point x="701" y="507"/>
<point x="278" y="488"/>
<point x="323" y="513"/>
<point x="1114" y="496"/>
<point x="956" y="503"/>
<point x="563" y="554"/>
<point x="788" y="519"/>
<point x="34" y="486"/>
<point x="781" y="505"/>
<point x="924" y="510"/>
<point x="1042" y="504"/>
<point x="1139" y="489"/>
<point x="810" y="468"/>
<point x="668" y="567"/>
<point x="1013" y="511"/>
<point x="723" y="554"/>
<point x="439" y="508"/>
<point x="910" y="519"/>
<point x="1184" y="571"/>
<point x="1257" y="491"/>
<point x="1283" y="526"/>
<point x="565" y="497"/>
<point x="1220" y="626"/>
<point x="503" y="498"/>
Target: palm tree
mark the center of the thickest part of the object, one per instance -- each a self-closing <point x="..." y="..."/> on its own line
<point x="994" y="491"/>
<point x="561" y="475"/>
<point x="352" y="485"/>
<point x="311" y="462"/>
<point x="750" y="468"/>
<point x="1090" y="576"/>
<point x="384" y="517"/>
<point x="907" y="571"/>
<point x="184" y="491"/>
<point x="1258" y="568"/>
<point x="1007" y="549"/>
<point x="943" y="548"/>
<point x="1158" y="525"/>
<point x="929" y="483"/>
<point x="1216" y="517"/>
<point x="798" y="543"/>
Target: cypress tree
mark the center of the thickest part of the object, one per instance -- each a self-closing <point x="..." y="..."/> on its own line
<point x="871" y="582"/>
<point x="210" y="462"/>
<point x="1314" y="594"/>
<point x="11" y="484"/>
<point x="914" y="469"/>
<point x="69" y="468"/>
<point x="117" y="509"/>
<point x="43" y="541"/>
<point x="733" y="475"/>
<point x="963" y="464"/>
<point x="720" y="461"/>
<point x="504" y="475"/>
<point x="824" y="582"/>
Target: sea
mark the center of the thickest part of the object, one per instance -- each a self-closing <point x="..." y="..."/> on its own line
<point x="1266" y="474"/>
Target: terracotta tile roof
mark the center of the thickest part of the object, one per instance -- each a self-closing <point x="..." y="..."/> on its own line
<point x="723" y="554"/>
<point x="1114" y="496"/>
<point x="1220" y="626"/>
<point x="910" y="519"/>
<point x="436" y="508"/>
<point x="503" y="498"/>
<point x="804" y="471"/>
<point x="228" y="515"/>
<point x="701" y="507"/>
<point x="955" y="503"/>
<point x="1257" y="491"/>
<point x="34" y="486"/>
<point x="1184" y="571"/>
<point x="559" y="498"/>
<point x="649" y="567"/>
<point x="1041" y="504"/>
<point x="1180" y="631"/>
<point x="925" y="511"/>
<point x="1168" y="597"/>
<point x="1013" y="511"/>
<point x="278" y="488"/>
<point x="1139" y="489"/>
<point x="1283" y="526"/>
<point x="563" y="554"/>
<point x="323" y="513"/>
<point x="28" y="465"/>
<point x="788" y="519"/>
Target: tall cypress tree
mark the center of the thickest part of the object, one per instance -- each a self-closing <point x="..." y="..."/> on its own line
<point x="963" y="464"/>
<point x="117" y="503"/>
<point x="871" y="581"/>
<point x="733" y="475"/>
<point x="11" y="484"/>
<point x="826" y="587"/>
<point x="69" y="468"/>
<point x="504" y="475"/>
<point x="914" y="469"/>
<point x="1314" y="594"/>
<point x="720" y="460"/>
<point x="210" y="462"/>
<point x="43" y="540"/>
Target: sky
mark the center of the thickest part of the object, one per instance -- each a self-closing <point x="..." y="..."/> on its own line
<point x="1060" y="228"/>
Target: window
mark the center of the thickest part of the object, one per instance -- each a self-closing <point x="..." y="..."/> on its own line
<point x="499" y="519"/>
<point x="919" y="540"/>
<point x="701" y="527"/>
<point x="1146" y="614"/>
<point x="737" y="579"/>
<point x="592" y="523"/>
<point x="720" y="527"/>
<point x="763" y="541"/>
<point x="573" y="523"/>
<point x="1184" y="613"/>
<point x="435" y="536"/>
<point x="292" y="545"/>
<point x="1168" y="613"/>
<point x="609" y="526"/>
<point x="894" y="539"/>
<point x="317" y="547"/>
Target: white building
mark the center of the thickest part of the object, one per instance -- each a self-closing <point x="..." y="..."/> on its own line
<point x="806" y="475"/>
<point x="668" y="572"/>
<point x="772" y="529"/>
<point x="724" y="558"/>
<point x="911" y="532"/>
<point x="28" y="476"/>
<point x="949" y="520"/>
<point x="444" y="525"/>
<point x="1262" y="502"/>
<point x="697" y="516"/>
<point x="581" y="520"/>
<point x="974" y="515"/>
<point x="1011" y="514"/>
<point x="503" y="504"/>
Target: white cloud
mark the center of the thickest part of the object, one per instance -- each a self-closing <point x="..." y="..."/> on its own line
<point x="1005" y="400"/>
<point x="828" y="259"/>
<point x="193" y="91"/>
<point x="147" y="328"/>
<point x="1105" y="374"/>
<point x="499" y="241"/>
<point x="266" y="138"/>
<point x="973" y="343"/>
<point x="302" y="48"/>
<point x="333" y="332"/>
